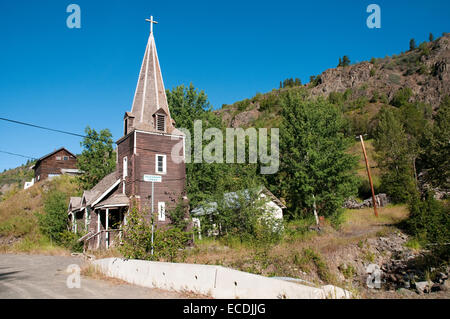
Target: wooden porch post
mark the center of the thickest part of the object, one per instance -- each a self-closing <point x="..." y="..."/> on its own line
<point x="107" y="225"/>
<point x="98" y="228"/>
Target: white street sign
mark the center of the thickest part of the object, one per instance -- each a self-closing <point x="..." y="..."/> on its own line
<point x="153" y="178"/>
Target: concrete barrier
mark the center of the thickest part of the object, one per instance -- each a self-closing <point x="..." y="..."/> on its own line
<point x="214" y="281"/>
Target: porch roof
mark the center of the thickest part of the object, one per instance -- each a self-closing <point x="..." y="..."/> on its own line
<point x="116" y="200"/>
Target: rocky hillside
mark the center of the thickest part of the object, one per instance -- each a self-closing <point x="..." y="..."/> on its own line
<point x="423" y="70"/>
<point x="364" y="87"/>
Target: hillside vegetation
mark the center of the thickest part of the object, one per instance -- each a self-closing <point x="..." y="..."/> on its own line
<point x="19" y="221"/>
<point x="360" y="89"/>
<point x="15" y="178"/>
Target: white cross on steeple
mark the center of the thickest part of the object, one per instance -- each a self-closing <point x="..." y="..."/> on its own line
<point x="151" y="23"/>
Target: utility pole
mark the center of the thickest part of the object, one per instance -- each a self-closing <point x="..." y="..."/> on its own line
<point x="370" y="177"/>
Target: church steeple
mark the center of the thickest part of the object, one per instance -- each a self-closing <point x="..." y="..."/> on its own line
<point x="150" y="110"/>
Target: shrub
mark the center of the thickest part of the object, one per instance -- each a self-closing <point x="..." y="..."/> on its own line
<point x="394" y="78"/>
<point x="375" y="97"/>
<point x="336" y="98"/>
<point x="168" y="242"/>
<point x="54" y="221"/>
<point x="69" y="240"/>
<point x="401" y="97"/>
<point x="429" y="220"/>
<point x="321" y="267"/>
<point x="424" y="49"/>
<point x="315" y="80"/>
<point x="245" y="216"/>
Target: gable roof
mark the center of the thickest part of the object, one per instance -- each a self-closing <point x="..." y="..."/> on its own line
<point x="74" y="203"/>
<point x="50" y="154"/>
<point x="106" y="185"/>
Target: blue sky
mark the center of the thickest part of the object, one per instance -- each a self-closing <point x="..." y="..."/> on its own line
<point x="66" y="79"/>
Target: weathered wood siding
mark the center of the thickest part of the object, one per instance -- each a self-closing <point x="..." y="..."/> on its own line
<point x="51" y="165"/>
<point x="172" y="187"/>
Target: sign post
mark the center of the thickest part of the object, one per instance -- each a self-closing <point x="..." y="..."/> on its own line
<point x="153" y="179"/>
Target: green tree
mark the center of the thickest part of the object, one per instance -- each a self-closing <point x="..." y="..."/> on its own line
<point x="97" y="159"/>
<point x="412" y="44"/>
<point x="429" y="222"/>
<point x="345" y="61"/>
<point x="437" y="150"/>
<point x="431" y="37"/>
<point x="205" y="180"/>
<point x="315" y="167"/>
<point x="395" y="158"/>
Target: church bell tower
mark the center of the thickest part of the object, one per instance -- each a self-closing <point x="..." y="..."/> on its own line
<point x="151" y="145"/>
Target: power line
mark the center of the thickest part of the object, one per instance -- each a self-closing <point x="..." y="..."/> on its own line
<point x="41" y="127"/>
<point x="15" y="154"/>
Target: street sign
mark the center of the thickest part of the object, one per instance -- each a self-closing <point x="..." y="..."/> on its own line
<point x="153" y="178"/>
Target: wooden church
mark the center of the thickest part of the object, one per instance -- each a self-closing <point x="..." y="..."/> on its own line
<point x="151" y="149"/>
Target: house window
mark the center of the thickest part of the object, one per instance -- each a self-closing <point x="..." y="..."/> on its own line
<point x="66" y="158"/>
<point x="58" y="158"/>
<point x="125" y="167"/>
<point x="161" y="122"/>
<point x="161" y="211"/>
<point x="160" y="164"/>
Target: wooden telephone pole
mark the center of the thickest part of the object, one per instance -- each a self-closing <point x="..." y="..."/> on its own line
<point x="370" y="177"/>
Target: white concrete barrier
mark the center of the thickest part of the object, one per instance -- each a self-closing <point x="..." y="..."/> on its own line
<point x="214" y="281"/>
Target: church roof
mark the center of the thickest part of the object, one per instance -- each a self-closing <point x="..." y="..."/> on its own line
<point x="150" y="94"/>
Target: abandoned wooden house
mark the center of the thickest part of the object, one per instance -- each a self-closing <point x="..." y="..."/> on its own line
<point x="149" y="174"/>
<point x="58" y="162"/>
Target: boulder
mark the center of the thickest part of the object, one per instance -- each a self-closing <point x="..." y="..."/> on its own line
<point x="422" y="287"/>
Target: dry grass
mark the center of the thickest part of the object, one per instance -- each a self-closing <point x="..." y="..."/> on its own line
<point x="103" y="253"/>
<point x="365" y="220"/>
<point x="19" y="230"/>
<point x="313" y="256"/>
<point x="94" y="272"/>
<point x="361" y="171"/>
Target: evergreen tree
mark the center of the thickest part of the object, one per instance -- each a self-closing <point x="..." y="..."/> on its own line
<point x="412" y="44"/>
<point x="438" y="147"/>
<point x="345" y="61"/>
<point x="395" y="158"/>
<point x="98" y="158"/>
<point x="431" y="37"/>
